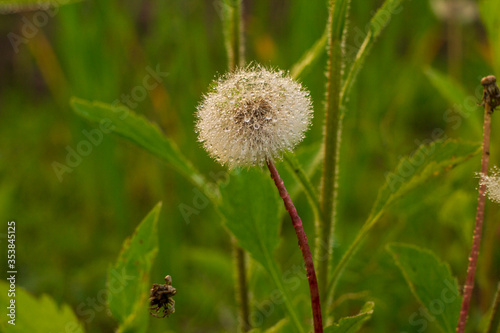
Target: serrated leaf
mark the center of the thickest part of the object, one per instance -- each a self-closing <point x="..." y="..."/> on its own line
<point x="128" y="278"/>
<point x="375" y="28"/>
<point x="352" y="324"/>
<point x="36" y="314"/>
<point x="427" y="161"/>
<point x="431" y="282"/>
<point x="250" y="207"/>
<point x="136" y="128"/>
<point x="16" y="6"/>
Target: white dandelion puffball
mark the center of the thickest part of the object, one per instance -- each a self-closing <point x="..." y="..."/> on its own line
<point x="251" y="115"/>
<point x="492" y="183"/>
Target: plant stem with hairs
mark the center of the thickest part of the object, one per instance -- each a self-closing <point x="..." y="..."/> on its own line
<point x="333" y="130"/>
<point x="491" y="95"/>
<point x="304" y="247"/>
<point x="233" y="33"/>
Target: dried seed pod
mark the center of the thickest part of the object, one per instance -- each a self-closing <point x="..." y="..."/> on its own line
<point x="491" y="93"/>
<point x="160" y="298"/>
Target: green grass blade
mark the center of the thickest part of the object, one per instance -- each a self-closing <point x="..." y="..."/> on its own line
<point x="250" y="207"/>
<point x="431" y="282"/>
<point x="377" y="24"/>
<point x="454" y="93"/>
<point x="136" y="128"/>
<point x="128" y="279"/>
<point x="310" y="57"/>
<point x="494" y="325"/>
<point x="354" y="323"/>
<point x="427" y="161"/>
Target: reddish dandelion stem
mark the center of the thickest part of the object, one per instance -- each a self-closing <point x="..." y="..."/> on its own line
<point x="490" y="100"/>
<point x="304" y="247"/>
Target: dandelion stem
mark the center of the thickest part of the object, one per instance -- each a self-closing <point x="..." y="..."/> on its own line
<point x="489" y="104"/>
<point x="304" y="247"/>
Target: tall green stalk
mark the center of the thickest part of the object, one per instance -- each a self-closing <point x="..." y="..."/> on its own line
<point x="234" y="41"/>
<point x="233" y="33"/>
<point x="333" y="130"/>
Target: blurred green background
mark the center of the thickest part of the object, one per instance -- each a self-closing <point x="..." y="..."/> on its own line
<point x="69" y="231"/>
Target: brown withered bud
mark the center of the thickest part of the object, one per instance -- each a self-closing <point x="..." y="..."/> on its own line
<point x="491" y="94"/>
<point x="160" y="299"/>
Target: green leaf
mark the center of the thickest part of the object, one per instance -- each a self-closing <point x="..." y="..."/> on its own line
<point x="377" y="24"/>
<point x="280" y="326"/>
<point x="426" y="162"/>
<point x="431" y="282"/>
<point x="36" y="314"/>
<point x="250" y="207"/>
<point x="15" y="6"/>
<point x="128" y="280"/>
<point x="136" y="128"/>
<point x="354" y="323"/>
<point x="455" y="94"/>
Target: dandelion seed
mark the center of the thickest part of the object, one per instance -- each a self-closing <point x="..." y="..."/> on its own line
<point x="252" y="115"/>
<point x="492" y="183"/>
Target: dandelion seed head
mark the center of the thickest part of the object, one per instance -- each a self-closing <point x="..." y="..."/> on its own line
<point x="492" y="183"/>
<point x="251" y="115"/>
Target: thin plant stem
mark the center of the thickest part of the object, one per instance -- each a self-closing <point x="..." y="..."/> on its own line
<point x="242" y="292"/>
<point x="233" y="33"/>
<point x="495" y="313"/>
<point x="306" y="183"/>
<point x="489" y="102"/>
<point x="234" y="40"/>
<point x="333" y="128"/>
<point x="303" y="245"/>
